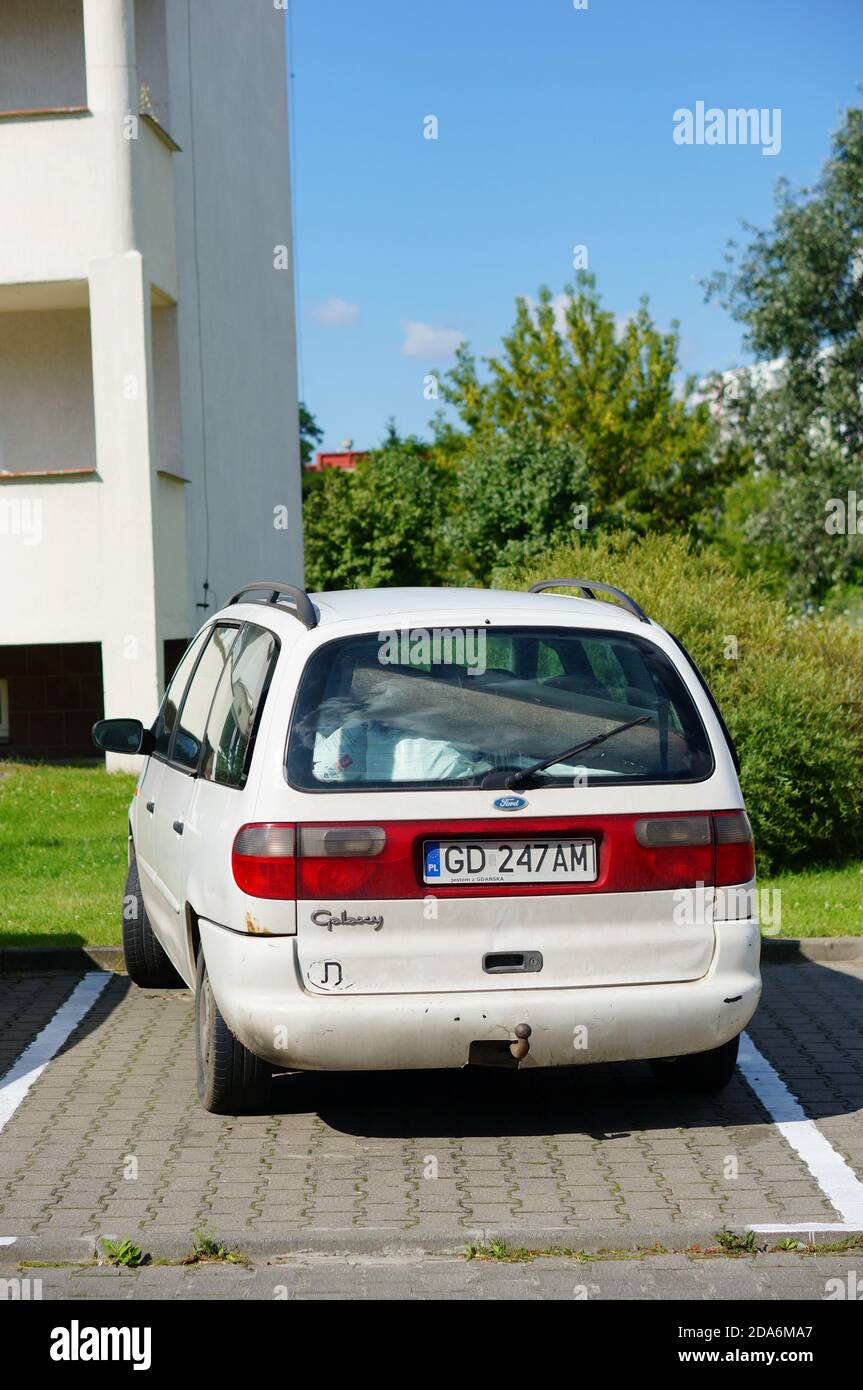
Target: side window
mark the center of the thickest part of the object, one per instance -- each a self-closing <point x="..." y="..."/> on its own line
<point x="548" y="663"/>
<point x="167" y="717"/>
<point x="498" y="652"/>
<point x="196" y="706"/>
<point x="606" y="666"/>
<point x="237" y="706"/>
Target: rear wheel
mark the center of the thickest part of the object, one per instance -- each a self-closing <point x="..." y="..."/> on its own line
<point x="231" y="1079"/>
<point x="147" y="963"/>
<point x="701" y="1071"/>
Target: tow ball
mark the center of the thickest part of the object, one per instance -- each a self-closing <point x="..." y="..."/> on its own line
<point x="521" y="1047"/>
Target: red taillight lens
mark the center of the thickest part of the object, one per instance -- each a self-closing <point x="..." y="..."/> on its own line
<point x="670" y="852"/>
<point x="735" y="850"/>
<point x="263" y="860"/>
<point x="358" y="861"/>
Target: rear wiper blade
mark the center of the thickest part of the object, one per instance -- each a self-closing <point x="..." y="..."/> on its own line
<point x="518" y="779"/>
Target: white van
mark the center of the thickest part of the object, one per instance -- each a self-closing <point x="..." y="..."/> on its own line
<point x="402" y="828"/>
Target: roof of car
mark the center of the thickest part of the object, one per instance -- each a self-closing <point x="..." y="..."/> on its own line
<point x="500" y="605"/>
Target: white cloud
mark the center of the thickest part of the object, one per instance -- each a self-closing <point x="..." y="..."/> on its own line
<point x="336" y="313"/>
<point x="424" y="340"/>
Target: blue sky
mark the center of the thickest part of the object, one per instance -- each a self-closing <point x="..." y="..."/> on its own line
<point x="555" y="128"/>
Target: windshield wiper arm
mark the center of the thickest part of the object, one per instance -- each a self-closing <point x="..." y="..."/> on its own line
<point x="518" y="779"/>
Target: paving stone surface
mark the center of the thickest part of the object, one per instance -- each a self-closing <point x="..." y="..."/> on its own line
<point x="111" y="1139"/>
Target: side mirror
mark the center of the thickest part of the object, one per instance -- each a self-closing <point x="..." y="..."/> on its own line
<point x="122" y="736"/>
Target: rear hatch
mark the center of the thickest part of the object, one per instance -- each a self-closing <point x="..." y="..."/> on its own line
<point x="505" y="898"/>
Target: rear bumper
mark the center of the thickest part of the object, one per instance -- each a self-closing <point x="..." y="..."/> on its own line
<point x="258" y="988"/>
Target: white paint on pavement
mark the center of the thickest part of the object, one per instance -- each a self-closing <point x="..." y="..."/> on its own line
<point x="807" y="1228"/>
<point x="35" y="1057"/>
<point x="837" y="1180"/>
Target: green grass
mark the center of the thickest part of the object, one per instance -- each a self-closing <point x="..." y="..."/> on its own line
<point x="821" y="901"/>
<point x="62" y="854"/>
<point x="63" y="864"/>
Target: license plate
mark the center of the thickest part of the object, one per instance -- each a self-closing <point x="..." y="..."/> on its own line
<point x="509" y="861"/>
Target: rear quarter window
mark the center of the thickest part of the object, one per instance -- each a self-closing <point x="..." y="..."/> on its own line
<point x="237" y="706"/>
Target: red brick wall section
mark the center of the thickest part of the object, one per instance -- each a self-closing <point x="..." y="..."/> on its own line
<point x="55" y="697"/>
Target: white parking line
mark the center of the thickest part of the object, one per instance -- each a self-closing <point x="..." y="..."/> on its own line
<point x="837" y="1180"/>
<point x="36" y="1056"/>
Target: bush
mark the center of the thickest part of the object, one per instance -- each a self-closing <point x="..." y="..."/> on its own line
<point x="791" y="696"/>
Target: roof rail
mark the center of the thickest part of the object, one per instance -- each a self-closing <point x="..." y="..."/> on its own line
<point x="587" y="586"/>
<point x="303" y="607"/>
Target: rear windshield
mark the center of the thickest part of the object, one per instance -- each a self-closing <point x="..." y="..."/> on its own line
<point x="460" y="707"/>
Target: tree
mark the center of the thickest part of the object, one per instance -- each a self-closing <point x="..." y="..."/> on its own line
<point x="379" y="524"/>
<point x="568" y="373"/>
<point x="310" y="434"/>
<point x="513" y="498"/>
<point x="797" y="288"/>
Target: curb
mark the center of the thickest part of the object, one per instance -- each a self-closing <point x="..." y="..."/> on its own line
<point x="34" y="960"/>
<point x="354" y="1241"/>
<point x="38" y="960"/>
<point x="780" y="950"/>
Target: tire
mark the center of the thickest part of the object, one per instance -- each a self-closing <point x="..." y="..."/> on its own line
<point x="147" y="962"/>
<point x="700" y="1072"/>
<point x="231" y="1079"/>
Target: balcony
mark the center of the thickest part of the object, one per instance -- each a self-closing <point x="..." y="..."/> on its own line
<point x="83" y="177"/>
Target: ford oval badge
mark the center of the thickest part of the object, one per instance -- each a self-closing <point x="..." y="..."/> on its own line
<point x="510" y="803"/>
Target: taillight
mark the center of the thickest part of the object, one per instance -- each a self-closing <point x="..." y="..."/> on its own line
<point x="653" y="832"/>
<point x="735" y="850"/>
<point x="263" y="860"/>
<point x="357" y="861"/>
<point x="342" y="841"/>
<point x="670" y="852"/>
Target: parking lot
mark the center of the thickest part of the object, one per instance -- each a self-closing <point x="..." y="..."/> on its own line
<point x="108" y="1138"/>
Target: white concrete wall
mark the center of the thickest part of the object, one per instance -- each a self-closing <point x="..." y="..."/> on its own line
<point x="46" y="391"/>
<point x="239" y="141"/>
<point x="132" y="655"/>
<point x="41" y="54"/>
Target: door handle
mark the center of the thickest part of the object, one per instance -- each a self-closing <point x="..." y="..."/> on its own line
<point x="178" y="826"/>
<point x="151" y="806"/>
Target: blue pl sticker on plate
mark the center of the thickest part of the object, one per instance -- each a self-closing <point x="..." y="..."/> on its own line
<point x="432" y="860"/>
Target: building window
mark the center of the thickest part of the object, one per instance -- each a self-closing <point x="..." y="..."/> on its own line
<point x="4" y="712"/>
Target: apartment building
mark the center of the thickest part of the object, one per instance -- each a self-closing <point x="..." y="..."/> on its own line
<point x="149" y="452"/>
